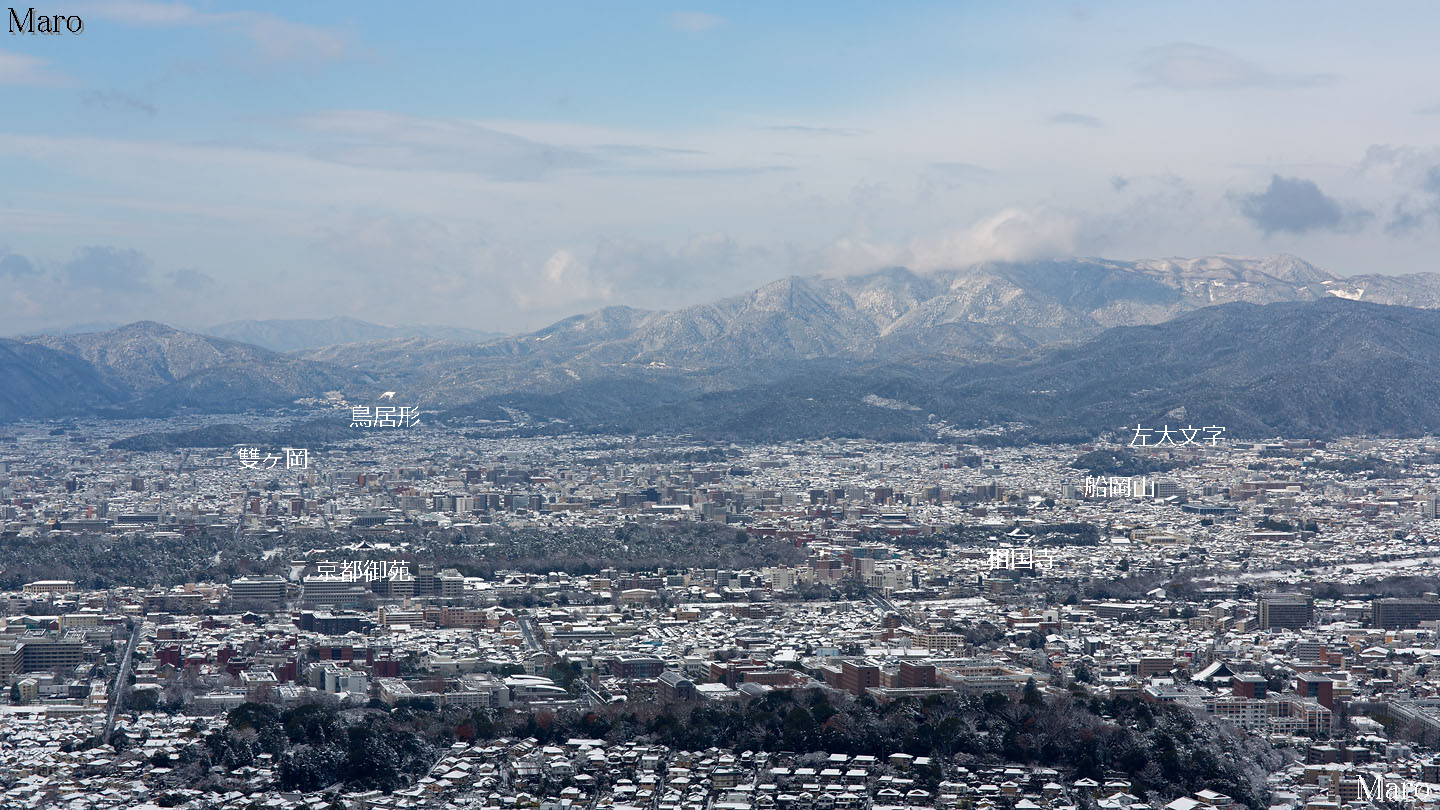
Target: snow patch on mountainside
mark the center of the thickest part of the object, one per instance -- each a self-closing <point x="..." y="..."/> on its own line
<point x="891" y="404"/>
<point x="1349" y="295"/>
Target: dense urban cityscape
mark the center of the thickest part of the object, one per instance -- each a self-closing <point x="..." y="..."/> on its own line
<point x="424" y="619"/>
<point x="568" y="405"/>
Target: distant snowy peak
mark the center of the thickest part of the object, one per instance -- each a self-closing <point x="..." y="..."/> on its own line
<point x="1279" y="267"/>
<point x="989" y="311"/>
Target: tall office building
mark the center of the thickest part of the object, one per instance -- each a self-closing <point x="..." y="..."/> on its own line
<point x="1285" y="610"/>
<point x="39" y="652"/>
<point x="258" y="589"/>
<point x="1397" y="614"/>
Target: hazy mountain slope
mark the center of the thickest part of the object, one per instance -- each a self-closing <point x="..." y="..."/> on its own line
<point x="153" y="369"/>
<point x="876" y="325"/>
<point x="141" y="356"/>
<point x="301" y="334"/>
<point x="1323" y="368"/>
<point x="985" y="312"/>
<point x="243" y="386"/>
<point x="441" y="373"/>
<point x="1414" y="290"/>
<point x="38" y="380"/>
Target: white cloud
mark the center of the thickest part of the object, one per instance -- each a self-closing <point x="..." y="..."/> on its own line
<point x="22" y="304"/>
<point x="914" y="178"/>
<point x="565" y="284"/>
<point x="1187" y="66"/>
<point x="116" y="100"/>
<point x="553" y="273"/>
<point x="394" y="141"/>
<point x="285" y="41"/>
<point x="22" y="69"/>
<point x="1012" y="235"/>
<point x="694" y="21"/>
<point x="852" y="255"/>
<point x="275" y="40"/>
<point x="1075" y="119"/>
<point x="138" y="12"/>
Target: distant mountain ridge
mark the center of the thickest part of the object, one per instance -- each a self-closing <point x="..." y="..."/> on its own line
<point x="1319" y="368"/>
<point x="40" y="382"/>
<point x="151" y="369"/>
<point x="784" y="357"/>
<point x="289" y="335"/>
<point x="988" y="311"/>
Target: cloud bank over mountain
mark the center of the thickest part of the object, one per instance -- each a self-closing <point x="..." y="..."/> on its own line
<point x="501" y="188"/>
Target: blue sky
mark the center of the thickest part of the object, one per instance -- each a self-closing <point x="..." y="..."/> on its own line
<point x="502" y="165"/>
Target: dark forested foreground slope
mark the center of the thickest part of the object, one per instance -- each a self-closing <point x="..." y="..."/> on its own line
<point x="1165" y="750"/>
